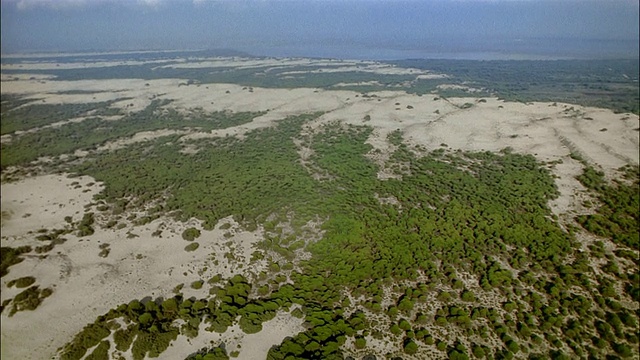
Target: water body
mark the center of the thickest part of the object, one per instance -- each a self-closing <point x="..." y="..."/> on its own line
<point x="459" y="49"/>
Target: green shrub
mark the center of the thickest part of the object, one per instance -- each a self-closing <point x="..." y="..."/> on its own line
<point x="410" y="347"/>
<point x="10" y="256"/>
<point x="101" y="351"/>
<point x="123" y="338"/>
<point x="192" y="247"/>
<point x="191" y="234"/>
<point x="249" y="326"/>
<point x="29" y="299"/>
<point x="22" y="282"/>
<point x="395" y="329"/>
<point x="297" y="313"/>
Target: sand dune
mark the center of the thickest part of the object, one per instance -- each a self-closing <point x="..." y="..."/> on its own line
<point x="87" y="285"/>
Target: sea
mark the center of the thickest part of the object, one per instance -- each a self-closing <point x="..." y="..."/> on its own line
<point x="457" y="49"/>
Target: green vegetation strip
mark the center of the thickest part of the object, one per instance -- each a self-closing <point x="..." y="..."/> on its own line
<point x="95" y="131"/>
<point x="611" y="84"/>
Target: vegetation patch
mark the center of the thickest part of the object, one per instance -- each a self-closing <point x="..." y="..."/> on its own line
<point x="191" y="234"/>
<point x="29" y="299"/>
<point x="10" y="256"/>
<point x="214" y="353"/>
<point x="618" y="217"/>
<point x="192" y="247"/>
<point x="95" y="131"/>
<point x="583" y="82"/>
<point x="22" y="282"/>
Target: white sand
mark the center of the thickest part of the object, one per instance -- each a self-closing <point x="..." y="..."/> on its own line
<point x="47" y="65"/>
<point x="268" y="64"/>
<point x="457" y="87"/>
<point x="35" y="55"/>
<point x="249" y="346"/>
<point x="43" y="202"/>
<point x="87" y="285"/>
<point x="253" y="63"/>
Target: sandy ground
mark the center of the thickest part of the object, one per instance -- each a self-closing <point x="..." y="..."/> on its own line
<point x="43" y="202"/>
<point x="267" y="64"/>
<point x="328" y="66"/>
<point x="87" y="285"/>
<point x="248" y="346"/>
<point x="35" y="55"/>
<point x="46" y="65"/>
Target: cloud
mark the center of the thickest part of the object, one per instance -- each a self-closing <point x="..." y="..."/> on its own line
<point x="54" y="4"/>
<point x="70" y="4"/>
<point x="152" y="3"/>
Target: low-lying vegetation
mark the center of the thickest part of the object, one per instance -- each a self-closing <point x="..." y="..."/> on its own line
<point x="28" y="299"/>
<point x="468" y="260"/>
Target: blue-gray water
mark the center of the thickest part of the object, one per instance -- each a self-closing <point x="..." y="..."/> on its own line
<point x="479" y="49"/>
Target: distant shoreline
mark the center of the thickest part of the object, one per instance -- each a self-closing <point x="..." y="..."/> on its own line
<point x="466" y="56"/>
<point x="438" y="49"/>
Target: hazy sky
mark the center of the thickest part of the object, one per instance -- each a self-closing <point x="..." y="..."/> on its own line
<point x="70" y="25"/>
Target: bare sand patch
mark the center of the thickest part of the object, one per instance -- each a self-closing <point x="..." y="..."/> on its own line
<point x="431" y="76"/>
<point x="87" y="285"/>
<point x="457" y="87"/>
<point x="361" y="83"/>
<point x="256" y="346"/>
<point x="269" y="64"/>
<point x="43" y="202"/>
<point x="48" y="65"/>
<point x="140" y="137"/>
<point x="129" y="94"/>
<point x="35" y="55"/>
<point x="5" y="139"/>
<point x="248" y="346"/>
<point x="374" y="68"/>
<point x="328" y="66"/>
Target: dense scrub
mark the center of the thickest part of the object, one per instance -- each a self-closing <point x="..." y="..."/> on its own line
<point x="25" y="117"/>
<point x="618" y="217"/>
<point x="466" y="260"/>
<point x="94" y="130"/>
<point x="10" y="256"/>
<point x="609" y="84"/>
<point x="249" y="179"/>
<point x="22" y="282"/>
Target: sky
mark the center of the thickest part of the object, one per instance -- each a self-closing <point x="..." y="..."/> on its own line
<point x="305" y="27"/>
